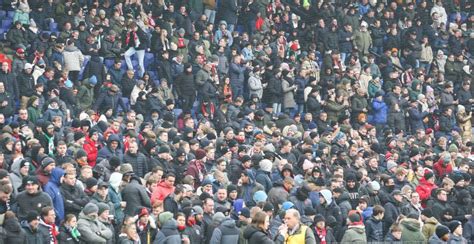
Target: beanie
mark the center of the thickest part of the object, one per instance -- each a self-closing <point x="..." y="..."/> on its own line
<point x="428" y="174"/>
<point x="32" y="215"/>
<point x="260" y="196"/>
<point x="46" y="161"/>
<point x="453" y="148"/>
<point x="427" y="212"/>
<point x="231" y="188"/>
<point x="441" y="230"/>
<point x="200" y="154"/>
<point x="266" y="165"/>
<point x="453" y="225"/>
<point x="218" y="217"/>
<point x="102" y="207"/>
<point x="456" y="178"/>
<point x="391" y="164"/>
<point x="354" y="217"/>
<point x="81" y="153"/>
<point x="164" y="217"/>
<point x="90" y="208"/>
<point x="114" y="162"/>
<point x="78" y="135"/>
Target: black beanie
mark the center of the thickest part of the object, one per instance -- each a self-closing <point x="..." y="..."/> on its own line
<point x="441" y="230"/>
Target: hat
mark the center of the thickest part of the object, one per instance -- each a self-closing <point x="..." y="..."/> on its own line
<point x="391" y="164"/>
<point x="414" y="152"/>
<point x="102" y="207"/>
<point x="427" y="212"/>
<point x="101" y="12"/>
<point x="46" y="161"/>
<point x="441" y="231"/>
<point x="287" y="205"/>
<point x="260" y="196"/>
<point x="180" y="152"/>
<point x="245" y="212"/>
<point x="456" y="178"/>
<point x="20" y="51"/>
<point x="90" y="208"/>
<point x="181" y="31"/>
<point x="24" y="163"/>
<point x="200" y="154"/>
<point x="374" y="186"/>
<point x="265" y="165"/>
<point x="91" y="182"/>
<point x="164" y="217"/>
<point x="453" y="225"/>
<point x="309" y="211"/>
<point x="126" y="169"/>
<point x="268" y="207"/>
<point x="169" y="102"/>
<point x="354" y="217"/>
<point x="396" y="192"/>
<point x="78" y="135"/>
<point x="103" y="184"/>
<point x="428" y="174"/>
<point x="81" y="153"/>
<point x="218" y="217"/>
<point x="453" y="148"/>
<point x="28" y="66"/>
<point x="143" y="211"/>
<point x="163" y="149"/>
<point x="30" y="180"/>
<point x="198" y="210"/>
<point x="32" y="215"/>
<point x="231" y="188"/>
<point x="206" y="181"/>
<point x="114" y="162"/>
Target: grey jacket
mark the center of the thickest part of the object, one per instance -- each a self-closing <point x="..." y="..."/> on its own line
<point x="226" y="233"/>
<point x="92" y="230"/>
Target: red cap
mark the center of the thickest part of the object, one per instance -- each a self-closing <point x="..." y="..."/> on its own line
<point x="20" y="51"/>
<point x="143" y="211"/>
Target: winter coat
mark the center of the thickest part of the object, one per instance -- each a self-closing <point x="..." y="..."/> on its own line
<point x="334" y="110"/>
<point x="313" y="106"/>
<point x="416" y="119"/>
<point x="52" y="188"/>
<point x="35" y="202"/>
<point x="255" y="86"/>
<point x="228" y="12"/>
<point x="17" y="36"/>
<point x="139" y="163"/>
<point x="424" y="189"/>
<point x="161" y="191"/>
<point x="374" y="230"/>
<point x="13" y="232"/>
<point x="65" y="236"/>
<point x="359" y="103"/>
<point x="236" y="74"/>
<point x="288" y="94"/>
<point x="74" y="199"/>
<point x="256" y="236"/>
<point x="429" y="227"/>
<point x="264" y="179"/>
<point x="32" y="236"/>
<point x="89" y="227"/>
<point x="331" y="41"/>
<point x="168" y="234"/>
<point x="380" y="111"/>
<point x="92" y="151"/>
<point x="272" y="93"/>
<point x="107" y="152"/>
<point x="15" y="177"/>
<point x="355" y="234"/>
<point x="73" y="58"/>
<point x="226" y="233"/>
<point x="468" y="229"/>
<point x="464" y="122"/>
<point x="136" y="196"/>
<point x="456" y="239"/>
<point x="392" y="210"/>
<point x="345" y="44"/>
<point x="26" y="84"/>
<point x="331" y="210"/>
<point x="10" y="81"/>
<point x="411" y="231"/>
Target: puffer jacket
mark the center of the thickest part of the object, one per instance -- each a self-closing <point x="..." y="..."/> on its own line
<point x="13" y="231"/>
<point x="139" y="163"/>
<point x="73" y="58"/>
<point x="429" y="227"/>
<point x="161" y="191"/>
<point x="255" y="235"/>
<point x="52" y="188"/>
<point x="90" y="226"/>
<point x="374" y="230"/>
<point x="74" y="199"/>
<point x="355" y="234"/>
<point x="32" y="236"/>
<point x="168" y="234"/>
<point x="107" y="152"/>
<point x="380" y="110"/>
<point x="226" y="233"/>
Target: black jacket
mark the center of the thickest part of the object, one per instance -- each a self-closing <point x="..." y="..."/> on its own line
<point x="65" y="236"/>
<point x="13" y="231"/>
<point x="139" y="163"/>
<point x="136" y="196"/>
<point x="374" y="230"/>
<point x="74" y="199"/>
<point x="26" y="84"/>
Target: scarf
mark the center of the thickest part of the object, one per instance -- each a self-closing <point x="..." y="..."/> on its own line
<point x="50" y="143"/>
<point x="135" y="39"/>
<point x="321" y="234"/>
<point x="53" y="231"/>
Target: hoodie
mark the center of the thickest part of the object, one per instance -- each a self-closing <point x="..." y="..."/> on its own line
<point x="52" y="188"/>
<point x="227" y="232"/>
<point x="355" y="234"/>
<point x="411" y="231"/>
<point x="15" y="176"/>
<point x="168" y="233"/>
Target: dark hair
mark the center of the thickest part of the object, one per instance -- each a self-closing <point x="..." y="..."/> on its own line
<point x="45" y="211"/>
<point x="377" y="210"/>
<point x="259" y="219"/>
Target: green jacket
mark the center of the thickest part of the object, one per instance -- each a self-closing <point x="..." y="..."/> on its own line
<point x="411" y="232"/>
<point x="34" y="114"/>
<point x="85" y="97"/>
<point x="355" y="234"/>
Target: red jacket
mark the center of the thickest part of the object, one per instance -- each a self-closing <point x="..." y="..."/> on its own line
<point x="440" y="170"/>
<point x="424" y="189"/>
<point x="91" y="150"/>
<point x="161" y="191"/>
<point x="197" y="170"/>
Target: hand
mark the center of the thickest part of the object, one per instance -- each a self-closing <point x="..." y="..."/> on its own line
<point x="283" y="229"/>
<point x="123" y="204"/>
<point x="186" y="240"/>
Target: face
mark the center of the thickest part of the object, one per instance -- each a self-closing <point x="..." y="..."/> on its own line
<point x="4" y="196"/>
<point x="102" y="191"/>
<point x="291" y="221"/>
<point x="50" y="217"/>
<point x="209" y="206"/>
<point x="70" y="180"/>
<point x="221" y="194"/>
<point x="73" y="222"/>
<point x="170" y="180"/>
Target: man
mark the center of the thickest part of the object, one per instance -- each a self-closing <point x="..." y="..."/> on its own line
<point x="74" y="197"/>
<point x="226" y="232"/>
<point x="413" y="206"/>
<point x="31" y="199"/>
<point x="91" y="229"/>
<point x="293" y="231"/>
<point x="102" y="196"/>
<point x="392" y="209"/>
<point x="208" y="209"/>
<point x="135" y="42"/>
<point x="52" y="188"/>
<point x="173" y="201"/>
<point x="374" y="225"/>
<point x="136" y="159"/>
<point x="440" y="203"/>
<point x="30" y="227"/>
<point x="328" y="207"/>
<point x="247" y="187"/>
<point x="47" y="228"/>
<point x="134" y="194"/>
<point x="26" y="84"/>
<point x="19" y="170"/>
<point x="356" y="230"/>
<point x="44" y="172"/>
<point x="164" y="188"/>
<point x="104" y="218"/>
<point x="112" y="149"/>
<point x="456" y="229"/>
<point x="220" y="199"/>
<point x="7" y="102"/>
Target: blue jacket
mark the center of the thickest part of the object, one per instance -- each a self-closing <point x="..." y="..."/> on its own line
<point x="107" y="153"/>
<point x="416" y="119"/>
<point x="52" y="188"/>
<point x="380" y="110"/>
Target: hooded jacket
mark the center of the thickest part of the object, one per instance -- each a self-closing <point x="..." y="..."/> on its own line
<point x="13" y="231"/>
<point x="52" y="188"/>
<point x="161" y="191"/>
<point x="73" y="58"/>
<point x="411" y="231"/>
<point x="226" y="233"/>
<point x="107" y="152"/>
<point x="330" y="209"/>
<point x="374" y="230"/>
<point x="15" y="176"/>
<point x="168" y="234"/>
<point x="355" y="234"/>
<point x="31" y="236"/>
<point x="254" y="235"/>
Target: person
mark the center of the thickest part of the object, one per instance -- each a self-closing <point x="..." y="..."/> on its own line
<point x="322" y="233"/>
<point x="256" y="232"/>
<point x="169" y="230"/>
<point x="47" y="227"/>
<point x="455" y="226"/>
<point x="293" y="231"/>
<point x="74" y="197"/>
<point x="30" y="227"/>
<point x="90" y="228"/>
<point x="356" y="230"/>
<point x="32" y="198"/>
<point x="411" y="229"/>
<point x="441" y="235"/>
<point x="52" y="189"/>
<point x="374" y="225"/>
<point x="134" y="194"/>
<point x="134" y="41"/>
<point x="68" y="232"/>
<point x="129" y="235"/>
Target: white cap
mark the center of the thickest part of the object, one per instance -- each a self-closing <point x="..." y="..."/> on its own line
<point x="28" y="66"/>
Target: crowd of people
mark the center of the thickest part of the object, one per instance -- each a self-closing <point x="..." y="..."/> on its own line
<point x="236" y="121"/>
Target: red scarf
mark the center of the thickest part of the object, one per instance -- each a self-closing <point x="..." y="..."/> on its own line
<point x="135" y="38"/>
<point x="321" y="234"/>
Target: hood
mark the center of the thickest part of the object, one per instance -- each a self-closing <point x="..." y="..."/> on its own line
<point x="414" y="84"/>
<point x="327" y="196"/>
<point x="432" y="221"/>
<point x="15" y="168"/>
<point x="164" y="185"/>
<point x="12" y="225"/>
<point x="56" y="175"/>
<point x="170" y="225"/>
<point x="412" y="225"/>
<point x="71" y="49"/>
<point x="115" y="180"/>
<point x="113" y="137"/>
<point x="87" y="217"/>
<point x="228" y="222"/>
<point x="249" y="231"/>
<point x="360" y="229"/>
<point x="344" y="197"/>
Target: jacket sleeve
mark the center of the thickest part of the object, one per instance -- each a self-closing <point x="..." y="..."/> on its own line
<point x="88" y="235"/>
<point x="145" y="198"/>
<point x="309" y="238"/>
<point x="216" y="236"/>
<point x="105" y="232"/>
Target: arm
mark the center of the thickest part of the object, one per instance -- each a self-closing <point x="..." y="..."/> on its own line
<point x="88" y="235"/>
<point x="309" y="238"/>
<point x="216" y="236"/>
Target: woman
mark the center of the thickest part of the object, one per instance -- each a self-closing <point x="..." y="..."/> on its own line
<point x="322" y="233"/>
<point x="227" y="90"/>
<point x="257" y="233"/>
<point x="464" y="120"/>
<point x="68" y="232"/>
<point x="129" y="235"/>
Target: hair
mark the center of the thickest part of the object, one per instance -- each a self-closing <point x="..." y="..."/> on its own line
<point x="126" y="228"/>
<point x="151" y="180"/>
<point x="294" y="212"/>
<point x="69" y="217"/>
<point x="378" y="210"/>
<point x="6" y="187"/>
<point x="179" y="189"/>
<point x="259" y="219"/>
<point x="45" y="211"/>
<point x="157" y="204"/>
<point x="170" y="174"/>
<point x="395" y="228"/>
